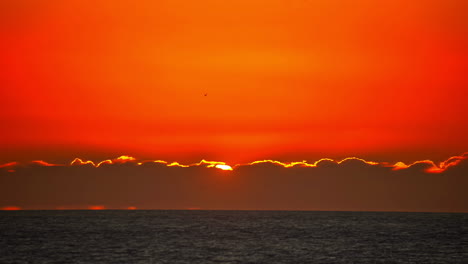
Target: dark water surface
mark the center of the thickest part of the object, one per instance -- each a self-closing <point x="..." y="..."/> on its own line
<point x="231" y="237"/>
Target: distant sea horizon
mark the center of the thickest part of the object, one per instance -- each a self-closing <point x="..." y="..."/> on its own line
<point x="220" y="209"/>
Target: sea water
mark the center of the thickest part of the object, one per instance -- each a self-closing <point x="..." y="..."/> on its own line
<point x="156" y="236"/>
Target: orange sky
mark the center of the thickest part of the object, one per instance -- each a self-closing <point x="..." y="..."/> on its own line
<point x="288" y="80"/>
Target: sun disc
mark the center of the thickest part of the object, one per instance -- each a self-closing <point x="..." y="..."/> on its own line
<point x="223" y="167"/>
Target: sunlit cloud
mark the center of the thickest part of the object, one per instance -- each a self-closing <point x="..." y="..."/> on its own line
<point x="9" y="164"/>
<point x="432" y="167"/>
<point x="128" y="183"/>
<point x="44" y="163"/>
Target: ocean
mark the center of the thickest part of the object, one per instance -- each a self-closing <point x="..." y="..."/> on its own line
<point x="159" y="236"/>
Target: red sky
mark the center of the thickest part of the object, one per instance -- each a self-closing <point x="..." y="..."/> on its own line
<point x="287" y="80"/>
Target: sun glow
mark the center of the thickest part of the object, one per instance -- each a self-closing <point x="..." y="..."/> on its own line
<point x="223" y="167"/>
<point x="96" y="207"/>
<point x="10" y="208"/>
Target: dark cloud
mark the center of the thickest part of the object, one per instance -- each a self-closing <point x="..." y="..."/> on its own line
<point x="351" y="184"/>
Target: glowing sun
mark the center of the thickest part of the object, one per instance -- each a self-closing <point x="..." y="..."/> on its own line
<point x="223" y="167"/>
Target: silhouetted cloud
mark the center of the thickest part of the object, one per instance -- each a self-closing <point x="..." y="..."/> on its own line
<point x="128" y="183"/>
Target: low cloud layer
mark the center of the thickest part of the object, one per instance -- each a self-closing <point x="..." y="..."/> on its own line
<point x="127" y="183"/>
